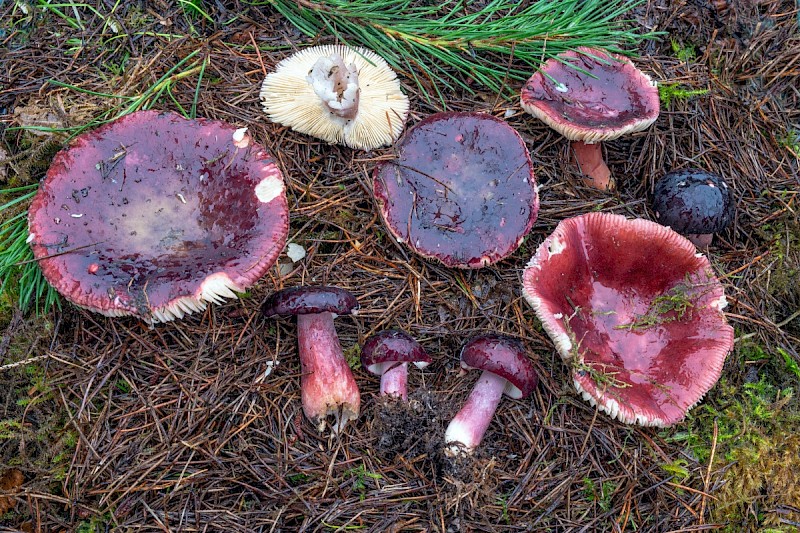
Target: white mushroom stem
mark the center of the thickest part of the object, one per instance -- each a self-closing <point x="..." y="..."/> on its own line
<point x="327" y="386"/>
<point x="336" y="84"/>
<point x="465" y="431"/>
<point x="701" y="240"/>
<point x="394" y="382"/>
<point x="589" y="158"/>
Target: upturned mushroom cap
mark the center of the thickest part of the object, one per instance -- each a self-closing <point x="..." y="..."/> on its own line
<point x="338" y="94"/>
<point x="310" y="300"/>
<point x="155" y="215"/>
<point x="461" y="189"/>
<point x="693" y="201"/>
<point x="591" y="96"/>
<point x="504" y="356"/>
<point x="635" y="312"/>
<point x="387" y="348"/>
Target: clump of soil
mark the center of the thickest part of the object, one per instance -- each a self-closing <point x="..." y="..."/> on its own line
<point x="411" y="428"/>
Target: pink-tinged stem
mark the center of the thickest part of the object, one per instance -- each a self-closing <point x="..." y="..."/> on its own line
<point x="701" y="240"/>
<point x="394" y="381"/>
<point x="327" y="386"/>
<point x="589" y="158"/>
<point x="469" y="425"/>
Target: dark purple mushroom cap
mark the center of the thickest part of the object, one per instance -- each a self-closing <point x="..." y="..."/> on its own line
<point x="461" y="189"/>
<point x="635" y="311"/>
<point x="390" y="346"/>
<point x="310" y="301"/>
<point x="693" y="201"/>
<point x="600" y="97"/>
<point x="155" y="215"/>
<point x="504" y="356"/>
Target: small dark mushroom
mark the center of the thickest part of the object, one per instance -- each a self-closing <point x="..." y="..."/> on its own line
<point x="695" y="203"/>
<point x="506" y="370"/>
<point x="387" y="355"/>
<point x="327" y="385"/>
<point x="590" y="96"/>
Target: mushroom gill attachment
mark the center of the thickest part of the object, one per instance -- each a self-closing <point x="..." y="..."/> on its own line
<point x="461" y="190"/>
<point x="338" y="94"/>
<point x="387" y="354"/>
<point x="155" y="215"/>
<point x="590" y="96"/>
<point x="506" y="371"/>
<point x="695" y="203"/>
<point x="634" y="311"/>
<point x="327" y="385"/>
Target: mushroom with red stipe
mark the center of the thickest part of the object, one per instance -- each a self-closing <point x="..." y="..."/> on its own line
<point x="387" y="354"/>
<point x="327" y="385"/>
<point x="506" y="371"/>
<point x="590" y="96"/>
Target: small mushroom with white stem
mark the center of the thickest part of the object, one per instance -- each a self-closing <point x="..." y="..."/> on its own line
<point x="327" y="385"/>
<point x="695" y="203"/>
<point x="338" y="94"/>
<point x="387" y="355"/>
<point x="506" y="370"/>
<point x="590" y="96"/>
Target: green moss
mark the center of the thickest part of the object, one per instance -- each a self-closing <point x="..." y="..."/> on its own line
<point x="684" y="52"/>
<point x="667" y="92"/>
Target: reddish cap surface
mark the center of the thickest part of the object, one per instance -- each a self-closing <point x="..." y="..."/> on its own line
<point x="310" y="301"/>
<point x="155" y="215"/>
<point x="635" y="312"/>
<point x="382" y="350"/>
<point x="504" y="356"/>
<point x="461" y="190"/>
<point x="600" y="97"/>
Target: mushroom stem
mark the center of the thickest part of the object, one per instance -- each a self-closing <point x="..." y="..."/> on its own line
<point x="589" y="158"/>
<point x="394" y="381"/>
<point x="471" y="422"/>
<point x="701" y="240"/>
<point x="327" y="386"/>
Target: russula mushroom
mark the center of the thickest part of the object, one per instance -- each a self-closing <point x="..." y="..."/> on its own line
<point x="327" y="385"/>
<point x="338" y="94"/>
<point x="461" y="189"/>
<point x="155" y="215"/>
<point x="695" y="203"/>
<point x="634" y="311"/>
<point x="506" y="370"/>
<point x="387" y="354"/>
<point x="590" y="96"/>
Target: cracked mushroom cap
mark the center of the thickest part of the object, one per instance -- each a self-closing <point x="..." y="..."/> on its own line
<point x="504" y="356"/>
<point x="338" y="94"/>
<point x="461" y="189"/>
<point x="635" y="312"/>
<point x="597" y="96"/>
<point x="155" y="215"/>
<point x="387" y="348"/>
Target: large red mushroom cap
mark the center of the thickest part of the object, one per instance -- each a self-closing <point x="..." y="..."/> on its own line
<point x="635" y="311"/>
<point x="155" y="215"/>
<point x="461" y="189"/>
<point x="590" y="96"/>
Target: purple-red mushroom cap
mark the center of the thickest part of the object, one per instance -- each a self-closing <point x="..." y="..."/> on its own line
<point x="310" y="300"/>
<point x="155" y="215"/>
<point x="634" y="311"/>
<point x="327" y="385"/>
<point x="387" y="354"/>
<point x="590" y="96"/>
<point x="461" y="189"/>
<point x="506" y="371"/>
<point x="695" y="203"/>
<point x="504" y="356"/>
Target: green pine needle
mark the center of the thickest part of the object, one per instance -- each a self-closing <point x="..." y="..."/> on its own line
<point x="443" y="46"/>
